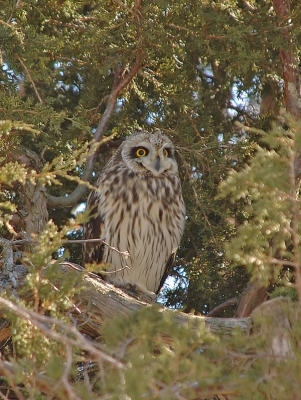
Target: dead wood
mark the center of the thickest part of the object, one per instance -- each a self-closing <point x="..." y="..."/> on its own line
<point x="100" y="300"/>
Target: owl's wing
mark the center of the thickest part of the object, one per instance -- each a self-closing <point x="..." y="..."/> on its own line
<point x="168" y="268"/>
<point x="93" y="252"/>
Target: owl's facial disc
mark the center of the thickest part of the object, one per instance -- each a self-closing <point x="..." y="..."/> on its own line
<point x="156" y="160"/>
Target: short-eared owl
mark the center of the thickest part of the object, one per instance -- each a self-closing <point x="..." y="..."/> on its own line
<point x="139" y="208"/>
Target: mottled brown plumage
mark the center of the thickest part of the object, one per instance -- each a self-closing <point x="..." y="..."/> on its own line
<point x="139" y="209"/>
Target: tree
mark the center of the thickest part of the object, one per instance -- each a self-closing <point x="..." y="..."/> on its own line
<point x="76" y="78"/>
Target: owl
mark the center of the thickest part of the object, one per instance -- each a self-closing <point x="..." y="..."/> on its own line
<point x="137" y="208"/>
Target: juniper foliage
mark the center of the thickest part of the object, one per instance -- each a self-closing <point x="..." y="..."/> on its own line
<point x="194" y="69"/>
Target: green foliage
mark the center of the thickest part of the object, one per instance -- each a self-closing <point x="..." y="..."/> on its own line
<point x="191" y="362"/>
<point x="268" y="239"/>
<point x="46" y="291"/>
<point x="205" y="67"/>
<point x="60" y="68"/>
<point x="170" y="364"/>
<point x="284" y="291"/>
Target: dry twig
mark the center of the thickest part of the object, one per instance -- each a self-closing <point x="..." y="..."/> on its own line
<point x="30" y="78"/>
<point x="70" y="336"/>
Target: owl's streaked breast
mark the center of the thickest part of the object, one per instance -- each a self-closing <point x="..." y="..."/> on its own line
<point x="138" y="208"/>
<point x="145" y="216"/>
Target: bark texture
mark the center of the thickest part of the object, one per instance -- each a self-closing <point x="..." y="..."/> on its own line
<point x="100" y="301"/>
<point x="32" y="212"/>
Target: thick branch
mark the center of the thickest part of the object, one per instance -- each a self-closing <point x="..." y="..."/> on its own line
<point x="100" y="301"/>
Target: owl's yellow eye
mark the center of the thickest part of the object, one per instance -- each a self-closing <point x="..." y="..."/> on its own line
<point x="165" y="152"/>
<point x="141" y="152"/>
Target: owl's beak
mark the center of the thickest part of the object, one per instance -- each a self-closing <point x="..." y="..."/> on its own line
<point x="157" y="164"/>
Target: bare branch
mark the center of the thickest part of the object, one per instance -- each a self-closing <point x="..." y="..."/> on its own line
<point x="65" y="378"/>
<point x="70" y="336"/>
<point x="79" y="268"/>
<point x="30" y="78"/>
<point x="253" y="295"/>
<point x="9" y="243"/>
<point x="9" y="373"/>
<point x="80" y="190"/>
<point x="122" y="79"/>
<point x="228" y="303"/>
<point x="99" y="300"/>
<point x="81" y="241"/>
<point x="282" y="262"/>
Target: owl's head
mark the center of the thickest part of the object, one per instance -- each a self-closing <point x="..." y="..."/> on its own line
<point x="149" y="154"/>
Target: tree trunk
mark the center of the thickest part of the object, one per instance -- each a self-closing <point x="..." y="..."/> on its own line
<point x="33" y="211"/>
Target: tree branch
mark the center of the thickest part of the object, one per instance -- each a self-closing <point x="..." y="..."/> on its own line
<point x="255" y="294"/>
<point x="289" y="60"/>
<point x="51" y="327"/>
<point x="228" y="303"/>
<point x="30" y="78"/>
<point x="100" y="300"/>
<point x="9" y="371"/>
<point x="122" y="79"/>
<point x="8" y="243"/>
<point x="125" y="254"/>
